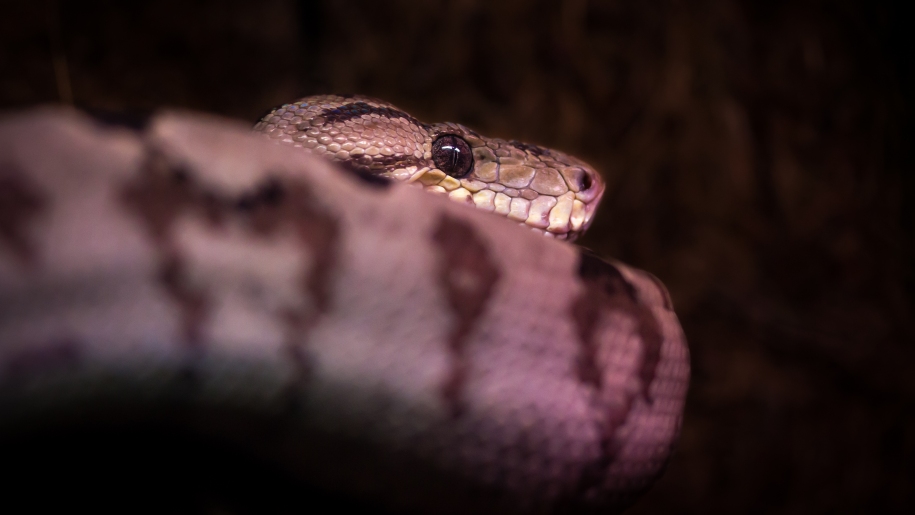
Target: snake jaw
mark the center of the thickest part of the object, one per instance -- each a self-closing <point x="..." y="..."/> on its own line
<point x="548" y="191"/>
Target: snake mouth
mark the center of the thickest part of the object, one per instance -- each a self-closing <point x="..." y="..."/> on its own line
<point x="563" y="217"/>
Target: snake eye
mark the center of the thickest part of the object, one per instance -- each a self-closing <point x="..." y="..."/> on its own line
<point x="452" y="155"/>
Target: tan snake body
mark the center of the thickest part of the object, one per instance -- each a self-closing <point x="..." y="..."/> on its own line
<point x="368" y="340"/>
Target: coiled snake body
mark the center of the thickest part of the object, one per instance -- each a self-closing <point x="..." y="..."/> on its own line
<point x="369" y="341"/>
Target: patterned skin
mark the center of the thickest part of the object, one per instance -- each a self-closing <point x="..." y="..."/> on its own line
<point x="553" y="193"/>
<point x="372" y="342"/>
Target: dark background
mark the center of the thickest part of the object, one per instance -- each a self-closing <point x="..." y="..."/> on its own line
<point x="758" y="156"/>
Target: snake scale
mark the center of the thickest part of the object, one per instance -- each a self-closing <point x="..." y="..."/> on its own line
<point x="363" y="340"/>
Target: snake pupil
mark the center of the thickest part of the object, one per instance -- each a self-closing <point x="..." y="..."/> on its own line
<point x="452" y="155"/>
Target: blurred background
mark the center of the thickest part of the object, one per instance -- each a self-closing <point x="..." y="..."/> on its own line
<point x="758" y="156"/>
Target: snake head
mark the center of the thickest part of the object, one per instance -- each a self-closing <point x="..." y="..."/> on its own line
<point x="546" y="190"/>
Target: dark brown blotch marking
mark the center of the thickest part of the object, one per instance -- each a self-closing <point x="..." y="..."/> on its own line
<point x="275" y="205"/>
<point x="159" y="196"/>
<point x="469" y="275"/>
<point x="381" y="162"/>
<point x="368" y="167"/>
<point x="357" y="109"/>
<point x="607" y="290"/>
<point x="164" y="192"/>
<point x="267" y="195"/>
<point x="35" y="359"/>
<point x="20" y="203"/>
<point x="195" y="305"/>
<point x="364" y="174"/>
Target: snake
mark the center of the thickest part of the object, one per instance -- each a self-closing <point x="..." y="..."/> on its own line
<point x="281" y="315"/>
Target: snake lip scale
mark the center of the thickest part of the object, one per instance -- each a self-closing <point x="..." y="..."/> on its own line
<point x="370" y="341"/>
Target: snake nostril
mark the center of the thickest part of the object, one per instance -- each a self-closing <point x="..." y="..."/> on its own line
<point x="586" y="181"/>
